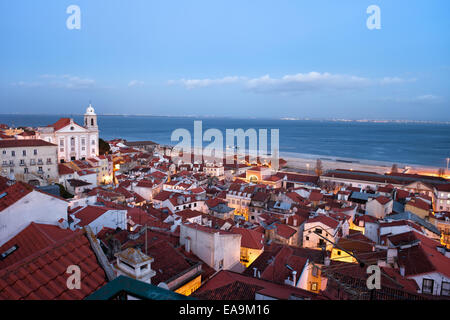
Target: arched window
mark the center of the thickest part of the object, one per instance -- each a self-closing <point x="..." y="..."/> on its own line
<point x="92" y="121"/>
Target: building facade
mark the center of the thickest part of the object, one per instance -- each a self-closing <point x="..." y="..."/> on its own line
<point x="31" y="161"/>
<point x="74" y="141"/>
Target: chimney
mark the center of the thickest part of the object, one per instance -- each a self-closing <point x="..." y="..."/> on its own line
<point x="63" y="224"/>
<point x="402" y="271"/>
<point x="187" y="245"/>
<point x="294" y="278"/>
<point x="391" y="255"/>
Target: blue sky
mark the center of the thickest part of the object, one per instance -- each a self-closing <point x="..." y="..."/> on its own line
<point x="307" y="59"/>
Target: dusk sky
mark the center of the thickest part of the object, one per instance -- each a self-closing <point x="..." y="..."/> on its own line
<point x="305" y="59"/>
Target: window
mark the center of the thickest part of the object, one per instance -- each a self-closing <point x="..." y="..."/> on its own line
<point x="83" y="141"/>
<point x="4" y="151"/>
<point x="307" y="238"/>
<point x="315" y="271"/>
<point x="318" y="230"/>
<point x="24" y="153"/>
<point x="314" y="286"/>
<point x="25" y="170"/>
<point x="93" y="142"/>
<point x="339" y="253"/>
<point x="427" y="286"/>
<point x="445" y="289"/>
<point x="221" y="264"/>
<point x="35" y="152"/>
<point x="13" y="153"/>
<point x="22" y="162"/>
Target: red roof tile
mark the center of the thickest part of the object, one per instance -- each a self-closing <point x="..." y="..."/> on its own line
<point x="31" y="239"/>
<point x="25" y="143"/>
<point x="43" y="274"/>
<point x="250" y="238"/>
<point x="13" y="193"/>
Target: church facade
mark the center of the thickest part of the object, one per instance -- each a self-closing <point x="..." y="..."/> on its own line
<point x="74" y="141"/>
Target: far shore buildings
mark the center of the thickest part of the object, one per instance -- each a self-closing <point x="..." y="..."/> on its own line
<point x="74" y="141"/>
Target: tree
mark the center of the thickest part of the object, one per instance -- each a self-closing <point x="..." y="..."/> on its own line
<point x="103" y="147"/>
<point x="441" y="172"/>
<point x="394" y="168"/>
<point x="319" y="167"/>
<point x="63" y="192"/>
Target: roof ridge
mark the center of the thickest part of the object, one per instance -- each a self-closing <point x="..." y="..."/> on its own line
<point x="42" y="232"/>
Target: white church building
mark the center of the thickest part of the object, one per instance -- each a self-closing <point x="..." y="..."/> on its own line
<point x="74" y="141"/>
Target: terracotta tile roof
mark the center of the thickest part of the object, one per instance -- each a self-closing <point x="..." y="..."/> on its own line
<point x="188" y="214"/>
<point x="33" y="238"/>
<point x="250" y="238"/>
<point x="124" y="192"/>
<point x="422" y="258"/>
<point x="236" y="290"/>
<point x="260" y="196"/>
<point x="354" y="276"/>
<point x="223" y="285"/>
<point x="443" y="187"/>
<point x="295" y="177"/>
<point x="285" y="231"/>
<point x="61" y="123"/>
<point x="213" y="202"/>
<point x="25" y="143"/>
<point x="383" y="200"/>
<point x="315" y="196"/>
<point x="42" y="276"/>
<point x="78" y="183"/>
<point x="330" y="222"/>
<point x="11" y="194"/>
<point x="167" y="263"/>
<point x="145" y="184"/>
<point x="162" y="196"/>
<point x="63" y="169"/>
<point x="89" y="214"/>
<point x="418" y="203"/>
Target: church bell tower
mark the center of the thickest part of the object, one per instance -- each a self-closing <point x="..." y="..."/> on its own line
<point x="90" y="118"/>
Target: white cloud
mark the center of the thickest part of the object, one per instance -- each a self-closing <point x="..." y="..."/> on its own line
<point x="135" y="83"/>
<point x="395" y="80"/>
<point x="311" y="81"/>
<point x="58" y="81"/>
<point x="200" y="83"/>
<point x="300" y="82"/>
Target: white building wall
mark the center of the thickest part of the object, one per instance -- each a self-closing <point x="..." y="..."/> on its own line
<point x="437" y="277"/>
<point x="110" y="219"/>
<point x="213" y="248"/>
<point x="34" y="207"/>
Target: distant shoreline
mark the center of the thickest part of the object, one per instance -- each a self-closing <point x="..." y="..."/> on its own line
<point x="372" y="121"/>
